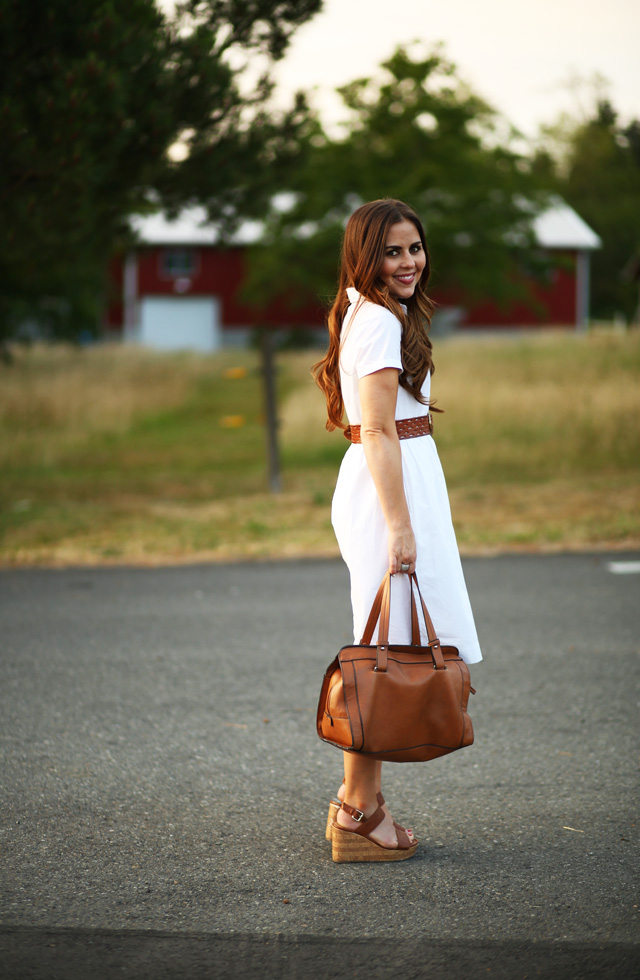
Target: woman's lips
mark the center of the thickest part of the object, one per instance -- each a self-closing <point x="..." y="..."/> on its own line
<point x="406" y="280"/>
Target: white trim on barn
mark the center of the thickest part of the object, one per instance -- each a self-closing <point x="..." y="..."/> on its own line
<point x="130" y="296"/>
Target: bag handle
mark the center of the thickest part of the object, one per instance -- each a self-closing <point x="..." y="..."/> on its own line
<point x="381" y="609"/>
<point x="434" y="642"/>
<point x="431" y="633"/>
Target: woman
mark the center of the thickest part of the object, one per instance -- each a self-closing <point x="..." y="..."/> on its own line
<point x="390" y="507"/>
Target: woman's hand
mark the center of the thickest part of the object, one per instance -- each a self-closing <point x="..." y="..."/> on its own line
<point x="402" y="550"/>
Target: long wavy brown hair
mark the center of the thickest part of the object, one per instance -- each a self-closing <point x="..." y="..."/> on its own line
<point x="363" y="252"/>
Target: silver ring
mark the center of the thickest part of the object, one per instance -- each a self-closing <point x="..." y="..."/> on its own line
<point x="405" y="568"/>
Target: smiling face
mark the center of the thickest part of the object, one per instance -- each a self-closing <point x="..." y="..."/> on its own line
<point x="404" y="259"/>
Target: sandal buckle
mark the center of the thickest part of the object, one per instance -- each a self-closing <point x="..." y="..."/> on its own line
<point x="354" y="813"/>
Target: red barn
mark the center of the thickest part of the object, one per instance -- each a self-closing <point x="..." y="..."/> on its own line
<point x="179" y="289"/>
<point x="564" y="297"/>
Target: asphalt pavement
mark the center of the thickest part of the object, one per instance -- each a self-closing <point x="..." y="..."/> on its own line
<point x="163" y="792"/>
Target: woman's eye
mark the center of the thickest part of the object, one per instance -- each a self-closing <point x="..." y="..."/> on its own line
<point x="416" y="248"/>
<point x="392" y="252"/>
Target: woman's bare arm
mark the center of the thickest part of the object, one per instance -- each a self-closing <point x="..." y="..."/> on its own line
<point x="378" y="395"/>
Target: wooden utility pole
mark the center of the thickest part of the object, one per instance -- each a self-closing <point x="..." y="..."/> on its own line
<point x="270" y="409"/>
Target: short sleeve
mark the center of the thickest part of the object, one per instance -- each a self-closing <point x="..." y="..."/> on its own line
<point x="378" y="341"/>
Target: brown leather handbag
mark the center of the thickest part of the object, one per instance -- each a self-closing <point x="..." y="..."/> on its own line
<point x="396" y="703"/>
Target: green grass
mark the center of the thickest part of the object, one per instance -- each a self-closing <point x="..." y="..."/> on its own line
<point x="113" y="454"/>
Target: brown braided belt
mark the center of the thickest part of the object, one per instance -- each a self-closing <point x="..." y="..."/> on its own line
<point x="422" y="425"/>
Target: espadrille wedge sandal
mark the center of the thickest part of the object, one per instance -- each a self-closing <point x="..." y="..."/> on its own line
<point x="356" y="845"/>
<point x="335" y="805"/>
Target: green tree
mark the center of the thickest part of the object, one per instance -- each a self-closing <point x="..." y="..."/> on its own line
<point x="423" y="136"/>
<point x="597" y="170"/>
<point x="93" y="96"/>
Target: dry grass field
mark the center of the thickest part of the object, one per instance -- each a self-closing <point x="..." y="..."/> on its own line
<point x="112" y="454"/>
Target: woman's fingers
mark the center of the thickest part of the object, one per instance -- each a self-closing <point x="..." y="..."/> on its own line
<point x="399" y="563"/>
<point x="402" y="551"/>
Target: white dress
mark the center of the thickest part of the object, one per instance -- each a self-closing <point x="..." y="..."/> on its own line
<point x="371" y="337"/>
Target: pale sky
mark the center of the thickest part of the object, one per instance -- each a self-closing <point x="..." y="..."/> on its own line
<point x="517" y="54"/>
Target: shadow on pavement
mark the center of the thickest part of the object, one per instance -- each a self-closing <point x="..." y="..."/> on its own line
<point x="78" y="954"/>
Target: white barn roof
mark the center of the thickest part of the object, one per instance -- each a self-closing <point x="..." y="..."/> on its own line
<point x="557" y="227"/>
<point x="561" y="227"/>
<point x="191" y="227"/>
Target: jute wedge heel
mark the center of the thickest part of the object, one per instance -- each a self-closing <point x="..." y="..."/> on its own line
<point x="356" y="845"/>
<point x="334" y="806"/>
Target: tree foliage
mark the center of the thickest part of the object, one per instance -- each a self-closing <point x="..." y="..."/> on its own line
<point x="596" y="166"/>
<point x="423" y="136"/>
<point x="93" y="96"/>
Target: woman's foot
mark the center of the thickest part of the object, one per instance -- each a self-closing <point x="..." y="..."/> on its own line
<point x="385" y="834"/>
<point x="368" y="835"/>
<point x="381" y="802"/>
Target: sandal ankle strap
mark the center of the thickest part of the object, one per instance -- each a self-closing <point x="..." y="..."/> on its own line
<point x="366" y="824"/>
